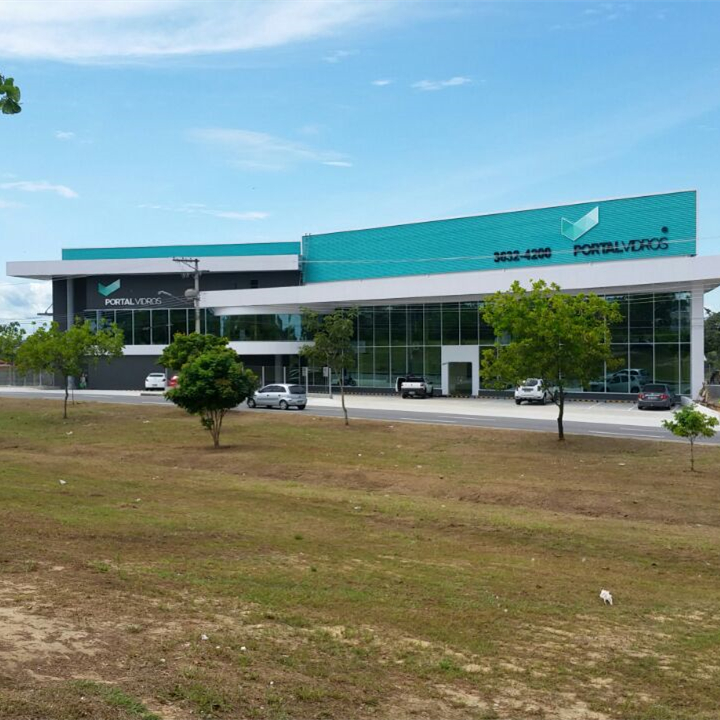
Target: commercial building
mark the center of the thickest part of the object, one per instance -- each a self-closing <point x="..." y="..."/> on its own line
<point x="418" y="288"/>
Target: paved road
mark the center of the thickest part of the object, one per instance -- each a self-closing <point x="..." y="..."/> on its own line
<point x="407" y="415"/>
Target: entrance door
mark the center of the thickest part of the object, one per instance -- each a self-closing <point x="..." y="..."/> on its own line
<point x="460" y="378"/>
<point x="460" y="369"/>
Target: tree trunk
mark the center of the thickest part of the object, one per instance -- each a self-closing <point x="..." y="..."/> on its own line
<point x="342" y="398"/>
<point x="561" y="412"/>
<point x="67" y="380"/>
<point x="692" y="455"/>
<point x="217" y="419"/>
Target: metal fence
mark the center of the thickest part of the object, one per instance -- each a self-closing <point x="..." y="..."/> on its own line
<point x="11" y="377"/>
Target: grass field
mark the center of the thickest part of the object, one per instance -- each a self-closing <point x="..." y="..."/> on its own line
<point x="308" y="570"/>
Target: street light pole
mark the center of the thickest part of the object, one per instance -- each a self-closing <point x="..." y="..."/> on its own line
<point x="193" y="293"/>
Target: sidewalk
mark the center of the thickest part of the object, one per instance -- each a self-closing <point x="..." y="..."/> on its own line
<point x="590" y="412"/>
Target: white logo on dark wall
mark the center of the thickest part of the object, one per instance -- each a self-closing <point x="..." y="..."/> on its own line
<point x="113" y="287"/>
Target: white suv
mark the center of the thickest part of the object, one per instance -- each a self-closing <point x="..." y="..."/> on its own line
<point x="533" y="390"/>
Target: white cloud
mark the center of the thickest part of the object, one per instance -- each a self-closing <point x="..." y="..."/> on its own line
<point x="64" y="135"/>
<point x="339" y="55"/>
<point x="260" y="151"/>
<point x="441" y="84"/>
<point x="337" y="163"/>
<point x="200" y="209"/>
<point x="88" y="30"/>
<point x="381" y="83"/>
<point x="23" y="300"/>
<point x="39" y="186"/>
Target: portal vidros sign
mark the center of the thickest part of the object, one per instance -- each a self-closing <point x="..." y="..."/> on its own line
<point x="648" y="226"/>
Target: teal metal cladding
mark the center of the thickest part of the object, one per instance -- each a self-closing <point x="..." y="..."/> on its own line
<point x="626" y="229"/>
<point x="167" y="251"/>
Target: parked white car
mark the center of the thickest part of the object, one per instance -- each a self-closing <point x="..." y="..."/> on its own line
<point x="533" y="390"/>
<point x="155" y="381"/>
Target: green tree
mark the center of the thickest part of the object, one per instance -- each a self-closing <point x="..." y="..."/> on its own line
<point x="9" y="96"/>
<point x="68" y="352"/>
<point x="712" y="339"/>
<point x="691" y="424"/>
<point x="332" y="344"/>
<point x="12" y="336"/>
<point x="210" y="384"/>
<point x="547" y="334"/>
<point x="184" y="348"/>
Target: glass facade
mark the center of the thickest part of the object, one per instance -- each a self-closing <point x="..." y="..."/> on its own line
<point x="651" y="343"/>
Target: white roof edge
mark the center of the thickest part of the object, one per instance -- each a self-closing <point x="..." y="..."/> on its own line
<point x="657" y="274"/>
<point x="48" y="269"/>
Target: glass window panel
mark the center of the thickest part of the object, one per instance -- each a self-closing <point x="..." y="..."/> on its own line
<point x="106" y="318"/>
<point x="398" y="360"/>
<point x="92" y="317"/>
<point x="433" y="366"/>
<point x="667" y="318"/>
<point x="365" y="367"/>
<point x="641" y="366"/>
<point x="365" y="326"/>
<point x="415" y="360"/>
<point x="619" y="330"/>
<point x="486" y="334"/>
<point x="641" y="318"/>
<point x="398" y="325"/>
<point x="685" y="368"/>
<point x="160" y="327"/>
<point x="433" y="325"/>
<point x="684" y="316"/>
<point x="469" y="319"/>
<point x="179" y="322"/>
<point x="451" y="324"/>
<point x="213" y="323"/>
<point x="416" y="325"/>
<point x="124" y="320"/>
<point x="382" y="326"/>
<point x="667" y="364"/>
<point x="616" y="377"/>
<point x="143" y="331"/>
<point x="382" y="367"/>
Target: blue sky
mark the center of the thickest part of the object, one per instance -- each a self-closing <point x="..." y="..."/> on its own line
<point x="169" y="121"/>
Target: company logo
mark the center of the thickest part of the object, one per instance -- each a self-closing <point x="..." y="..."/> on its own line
<point x="575" y="230"/>
<point x="106" y="290"/>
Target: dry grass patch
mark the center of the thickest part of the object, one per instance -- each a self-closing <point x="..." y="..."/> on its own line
<point x="384" y="570"/>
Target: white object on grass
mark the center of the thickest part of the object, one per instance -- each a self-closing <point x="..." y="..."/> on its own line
<point x="606" y="597"/>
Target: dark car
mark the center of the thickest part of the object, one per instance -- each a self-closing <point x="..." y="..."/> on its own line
<point x="656" y="396"/>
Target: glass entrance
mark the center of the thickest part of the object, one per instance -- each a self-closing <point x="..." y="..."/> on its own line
<point x="460" y="378"/>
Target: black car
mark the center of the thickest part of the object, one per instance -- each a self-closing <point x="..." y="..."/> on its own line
<point x="656" y="396"/>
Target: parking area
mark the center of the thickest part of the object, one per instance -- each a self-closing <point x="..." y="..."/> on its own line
<point x="611" y="413"/>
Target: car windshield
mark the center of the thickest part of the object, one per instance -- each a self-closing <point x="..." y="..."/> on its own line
<point x="296" y="390"/>
<point x="156" y="375"/>
<point x="655" y="388"/>
<point x="531" y="382"/>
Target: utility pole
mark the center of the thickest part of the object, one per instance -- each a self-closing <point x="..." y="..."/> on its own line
<point x="193" y="293"/>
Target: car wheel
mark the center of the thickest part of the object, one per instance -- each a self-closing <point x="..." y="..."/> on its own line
<point x="301" y="407"/>
<point x="405" y="396"/>
<point x="251" y="403"/>
<point x="518" y="402"/>
<point x="283" y="405"/>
